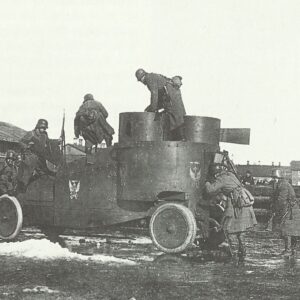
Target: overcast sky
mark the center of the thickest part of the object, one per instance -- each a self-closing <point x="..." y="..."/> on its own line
<point x="239" y="60"/>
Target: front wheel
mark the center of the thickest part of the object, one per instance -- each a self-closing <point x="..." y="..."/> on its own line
<point x="11" y="217"/>
<point x="172" y="228"/>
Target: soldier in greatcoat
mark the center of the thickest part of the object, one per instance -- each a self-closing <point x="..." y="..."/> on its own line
<point x="286" y="212"/>
<point x="35" y="149"/>
<point x="90" y="122"/>
<point x="166" y="94"/>
<point x="239" y="215"/>
<point x="8" y="174"/>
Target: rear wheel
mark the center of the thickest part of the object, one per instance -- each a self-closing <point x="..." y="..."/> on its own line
<point x="11" y="217"/>
<point x="172" y="228"/>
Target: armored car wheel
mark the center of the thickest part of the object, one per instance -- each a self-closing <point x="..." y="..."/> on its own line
<point x="11" y="217"/>
<point x="172" y="228"/>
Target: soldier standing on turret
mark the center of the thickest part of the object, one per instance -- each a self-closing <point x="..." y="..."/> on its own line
<point x="166" y="94"/>
<point x="90" y="122"/>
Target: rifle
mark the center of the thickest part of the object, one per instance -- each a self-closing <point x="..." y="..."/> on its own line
<point x="62" y="135"/>
<point x="231" y="165"/>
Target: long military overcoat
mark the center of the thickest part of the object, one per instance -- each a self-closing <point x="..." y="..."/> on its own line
<point x="286" y="209"/>
<point x="240" y="218"/>
<point x="90" y="122"/>
<point x="165" y="95"/>
<point x="36" y="148"/>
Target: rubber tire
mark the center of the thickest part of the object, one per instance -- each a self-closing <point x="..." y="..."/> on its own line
<point x="190" y="220"/>
<point x="19" y="216"/>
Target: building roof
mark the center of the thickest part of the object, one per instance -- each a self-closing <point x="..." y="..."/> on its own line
<point x="261" y="170"/>
<point x="295" y="165"/>
<point x="11" y="133"/>
<point x="77" y="147"/>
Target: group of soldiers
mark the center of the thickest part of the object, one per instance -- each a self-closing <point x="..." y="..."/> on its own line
<point x="8" y="174"/>
<point x="166" y="100"/>
<point x="91" y="123"/>
<point x="239" y="217"/>
<point x="21" y="168"/>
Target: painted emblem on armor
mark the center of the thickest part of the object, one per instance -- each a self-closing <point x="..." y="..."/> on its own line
<point x="195" y="170"/>
<point x="74" y="186"/>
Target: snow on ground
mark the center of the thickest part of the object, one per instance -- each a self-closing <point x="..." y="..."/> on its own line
<point x="40" y="289"/>
<point x="269" y="263"/>
<point x="135" y="240"/>
<point x="141" y="240"/>
<point x="46" y="250"/>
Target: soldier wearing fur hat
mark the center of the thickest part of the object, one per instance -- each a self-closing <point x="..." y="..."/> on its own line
<point x="286" y="212"/>
<point x="90" y="122"/>
<point x="35" y="148"/>
<point x="166" y="94"/>
<point x="8" y="174"/>
<point x="239" y="215"/>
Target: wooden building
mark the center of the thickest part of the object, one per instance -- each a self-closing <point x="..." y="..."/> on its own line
<point x="74" y="151"/>
<point x="10" y="136"/>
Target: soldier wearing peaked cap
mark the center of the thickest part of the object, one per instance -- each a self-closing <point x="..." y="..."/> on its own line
<point x="8" y="174"/>
<point x="166" y="94"/>
<point x="285" y="208"/>
<point x="90" y="122"/>
<point x="35" y="148"/>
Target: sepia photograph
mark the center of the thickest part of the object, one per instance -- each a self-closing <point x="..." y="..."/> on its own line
<point x="149" y="150"/>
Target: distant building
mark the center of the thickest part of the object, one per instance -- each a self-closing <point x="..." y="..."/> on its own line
<point x="262" y="173"/>
<point x="77" y="149"/>
<point x="295" y="169"/>
<point x="74" y="151"/>
<point x="10" y="136"/>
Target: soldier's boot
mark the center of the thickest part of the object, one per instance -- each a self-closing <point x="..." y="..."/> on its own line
<point x="20" y="188"/>
<point x="242" y="248"/>
<point x="108" y="141"/>
<point x="270" y="225"/>
<point x="178" y="134"/>
<point x="293" y="244"/>
<point x="242" y="253"/>
<point x="287" y="246"/>
<point x="2" y="191"/>
<point x="230" y="245"/>
<point x="88" y="150"/>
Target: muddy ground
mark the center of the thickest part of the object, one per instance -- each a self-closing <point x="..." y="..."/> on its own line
<point x="153" y="275"/>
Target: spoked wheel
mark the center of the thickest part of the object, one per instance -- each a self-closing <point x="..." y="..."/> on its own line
<point x="172" y="228"/>
<point x="11" y="217"/>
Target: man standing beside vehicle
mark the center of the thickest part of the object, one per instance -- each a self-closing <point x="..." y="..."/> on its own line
<point x="286" y="212"/>
<point x="239" y="215"/>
